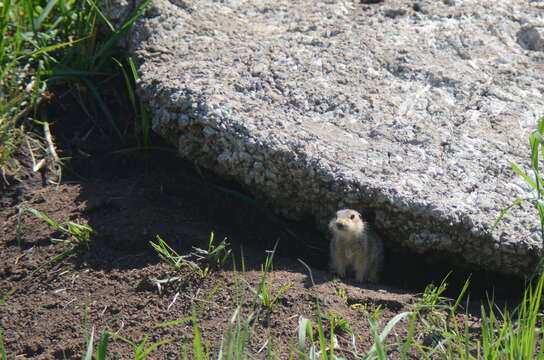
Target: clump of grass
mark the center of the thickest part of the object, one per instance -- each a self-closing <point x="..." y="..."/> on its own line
<point x="201" y="261"/>
<point x="21" y="87"/>
<point x="215" y="256"/>
<point x="338" y="324"/>
<point x="517" y="334"/>
<point x="143" y="121"/>
<point x="269" y="299"/>
<point x="50" y="45"/>
<point x="341" y="293"/>
<point x="368" y="310"/>
<point x="10" y="139"/>
<point x="141" y="349"/>
<point x="79" y="235"/>
<point x="505" y="334"/>
<point x="167" y="254"/>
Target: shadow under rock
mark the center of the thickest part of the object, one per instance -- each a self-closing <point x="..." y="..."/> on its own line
<point x="128" y="205"/>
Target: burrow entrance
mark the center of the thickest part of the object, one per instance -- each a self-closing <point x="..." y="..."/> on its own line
<point x="407" y="270"/>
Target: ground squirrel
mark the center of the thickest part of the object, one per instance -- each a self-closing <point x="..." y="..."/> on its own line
<point x="354" y="245"/>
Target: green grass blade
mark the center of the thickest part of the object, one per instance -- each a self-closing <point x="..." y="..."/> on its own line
<point x="389" y="326"/>
<point x="29" y="13"/>
<point x="103" y="346"/>
<point x="55" y="259"/>
<point x="89" y="348"/>
<point x="321" y="336"/>
<point x="534" y="141"/>
<point x="377" y="347"/>
<point x="145" y="122"/>
<point x="45" y="13"/>
<point x="173" y="322"/>
<point x="198" y="348"/>
<point x="540" y="207"/>
<point x="148" y="350"/>
<point x="111" y="42"/>
<point x="101" y="15"/>
<point x="51" y="48"/>
<point x="4" y="18"/>
<point x="408" y="342"/>
<point x="304" y="328"/>
<point x="524" y="176"/>
<point x="461" y="295"/>
<point x="540" y="125"/>
<point x="123" y="339"/>
<point x="140" y="347"/>
<point x="136" y="15"/>
<point x="2" y="347"/>
<point x="105" y="109"/>
<point x="280" y="292"/>
<point x="130" y="90"/>
<point x="45" y="218"/>
<point x="505" y="211"/>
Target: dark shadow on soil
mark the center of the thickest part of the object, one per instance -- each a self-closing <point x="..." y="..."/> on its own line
<point x="130" y="206"/>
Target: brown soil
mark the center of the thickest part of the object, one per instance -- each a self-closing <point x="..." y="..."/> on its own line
<point x="128" y="200"/>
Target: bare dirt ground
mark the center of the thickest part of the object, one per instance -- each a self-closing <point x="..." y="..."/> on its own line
<point x="128" y="200"/>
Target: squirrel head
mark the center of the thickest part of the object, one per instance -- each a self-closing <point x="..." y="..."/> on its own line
<point x="347" y="221"/>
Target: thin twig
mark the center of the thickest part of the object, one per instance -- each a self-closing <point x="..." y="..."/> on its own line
<point x="49" y="139"/>
<point x="173" y="301"/>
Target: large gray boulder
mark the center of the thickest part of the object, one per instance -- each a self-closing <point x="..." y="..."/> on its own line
<point x="411" y="110"/>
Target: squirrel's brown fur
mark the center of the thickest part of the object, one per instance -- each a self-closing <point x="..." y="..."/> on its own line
<point x="353" y="245"/>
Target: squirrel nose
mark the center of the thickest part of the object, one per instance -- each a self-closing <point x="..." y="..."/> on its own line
<point x="340" y="226"/>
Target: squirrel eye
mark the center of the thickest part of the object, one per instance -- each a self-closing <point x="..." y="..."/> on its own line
<point x="352" y="216"/>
